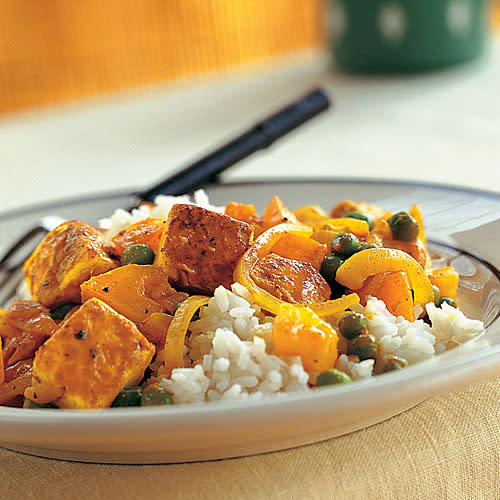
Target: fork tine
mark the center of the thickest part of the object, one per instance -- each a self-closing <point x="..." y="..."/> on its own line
<point x="9" y="286"/>
<point x="20" y="243"/>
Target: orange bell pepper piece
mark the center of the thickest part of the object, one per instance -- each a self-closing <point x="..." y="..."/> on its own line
<point x="298" y="331"/>
<point x="147" y="232"/>
<point x="356" y="269"/>
<point x="446" y="279"/>
<point x="293" y="246"/>
<point x="276" y="213"/>
<point x="242" y="212"/>
<point x="394" y="289"/>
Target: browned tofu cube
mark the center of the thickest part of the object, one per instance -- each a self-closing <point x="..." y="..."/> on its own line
<point x="200" y="248"/>
<point x="69" y="255"/>
<point x="292" y="280"/>
<point x="91" y="357"/>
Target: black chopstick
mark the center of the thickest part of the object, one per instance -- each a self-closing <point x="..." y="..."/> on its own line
<point x="261" y="136"/>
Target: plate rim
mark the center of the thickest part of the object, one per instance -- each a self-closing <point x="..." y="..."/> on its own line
<point x="239" y="409"/>
<point x="134" y="193"/>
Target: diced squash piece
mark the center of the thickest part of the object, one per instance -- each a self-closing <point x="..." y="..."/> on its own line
<point x="276" y="213"/>
<point x="134" y="291"/>
<point x="243" y="212"/>
<point x="24" y="327"/>
<point x="69" y="255"/>
<point x="155" y="328"/>
<point x="346" y="206"/>
<point x="290" y="280"/>
<point x="146" y="232"/>
<point x="394" y="289"/>
<point x="92" y="356"/>
<point x="200" y="248"/>
<point x="356" y="269"/>
<point x="311" y="215"/>
<point x="293" y="246"/>
<point x="298" y="331"/>
<point x="446" y="279"/>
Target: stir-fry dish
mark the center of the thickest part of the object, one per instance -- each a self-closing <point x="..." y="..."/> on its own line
<point x="181" y="302"/>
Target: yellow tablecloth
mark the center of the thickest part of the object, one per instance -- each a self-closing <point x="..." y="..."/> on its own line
<point x="445" y="448"/>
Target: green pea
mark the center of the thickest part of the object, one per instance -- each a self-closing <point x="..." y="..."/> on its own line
<point x="59" y="312"/>
<point x="390" y="363"/>
<point x="437" y="294"/>
<point x="129" y="396"/>
<point x="155" y="395"/>
<point x="332" y="377"/>
<point x="345" y="244"/>
<point x="353" y="324"/>
<point x="448" y="300"/>
<point x="35" y="406"/>
<point x="329" y="267"/>
<point x="403" y="226"/>
<point x="360" y="216"/>
<point x="138" y="254"/>
<point x="364" y="346"/>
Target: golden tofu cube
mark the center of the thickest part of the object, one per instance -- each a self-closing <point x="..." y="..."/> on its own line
<point x="92" y="356"/>
<point x="70" y="254"/>
<point x="200" y="248"/>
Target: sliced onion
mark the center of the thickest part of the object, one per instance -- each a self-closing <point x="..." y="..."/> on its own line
<point x="176" y="334"/>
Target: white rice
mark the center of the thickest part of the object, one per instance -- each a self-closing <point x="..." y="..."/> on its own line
<point x="161" y="208"/>
<point x="231" y="349"/>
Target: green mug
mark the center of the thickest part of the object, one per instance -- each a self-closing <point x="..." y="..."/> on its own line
<point x="406" y="35"/>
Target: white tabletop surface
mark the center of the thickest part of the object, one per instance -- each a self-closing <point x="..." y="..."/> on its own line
<point x="441" y="127"/>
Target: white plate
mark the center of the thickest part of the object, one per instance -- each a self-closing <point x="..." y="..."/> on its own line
<point x="227" y="429"/>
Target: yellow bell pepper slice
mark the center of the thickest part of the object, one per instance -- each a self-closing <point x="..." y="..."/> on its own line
<point x="345" y="224"/>
<point x="354" y="271"/>
<point x="324" y="236"/>
<point x="310" y="215"/>
<point x="174" y="342"/>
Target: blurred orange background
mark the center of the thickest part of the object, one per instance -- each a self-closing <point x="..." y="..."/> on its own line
<point x="58" y="50"/>
<point x="53" y="51"/>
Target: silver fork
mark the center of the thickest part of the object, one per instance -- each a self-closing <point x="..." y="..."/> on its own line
<point x="13" y="259"/>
